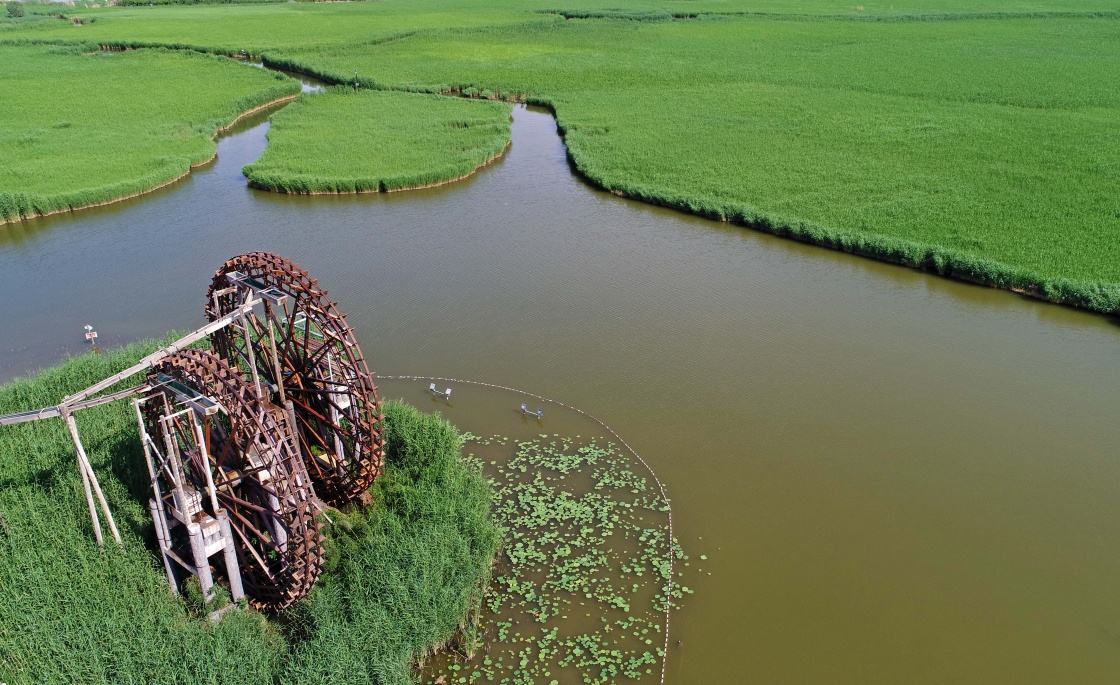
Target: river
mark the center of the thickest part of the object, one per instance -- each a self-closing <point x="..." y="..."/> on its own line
<point x="896" y="478"/>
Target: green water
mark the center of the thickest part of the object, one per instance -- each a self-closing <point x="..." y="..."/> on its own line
<point x="896" y="478"/>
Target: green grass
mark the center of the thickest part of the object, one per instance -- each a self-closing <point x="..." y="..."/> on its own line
<point x="110" y="125"/>
<point x="984" y="149"/>
<point x="258" y="27"/>
<point x="407" y="575"/>
<point x="979" y="140"/>
<point x="346" y="141"/>
<point x="402" y="577"/>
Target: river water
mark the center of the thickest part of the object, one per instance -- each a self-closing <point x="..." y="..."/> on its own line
<point x="896" y="478"/>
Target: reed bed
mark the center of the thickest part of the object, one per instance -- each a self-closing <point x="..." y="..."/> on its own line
<point x="404" y="576"/>
<point x="256" y="27"/>
<point x="113" y="125"/>
<point x="347" y="141"/>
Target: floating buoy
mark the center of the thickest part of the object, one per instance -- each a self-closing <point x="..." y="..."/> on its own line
<point x="539" y="413"/>
<point x="445" y="394"/>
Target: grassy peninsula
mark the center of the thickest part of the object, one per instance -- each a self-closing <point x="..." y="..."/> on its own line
<point x="403" y="575"/>
<point x="347" y="141"/>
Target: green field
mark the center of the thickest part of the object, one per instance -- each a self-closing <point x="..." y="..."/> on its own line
<point x="390" y="141"/>
<point x="978" y="140"/>
<point x="989" y="149"/>
<point x="79" y="129"/>
<point x="402" y="577"/>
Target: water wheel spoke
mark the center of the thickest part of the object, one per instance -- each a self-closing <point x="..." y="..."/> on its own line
<point x="333" y="427"/>
<point x="317" y="356"/>
<point x="248" y="546"/>
<point x="228" y="498"/>
<point x="345" y="390"/>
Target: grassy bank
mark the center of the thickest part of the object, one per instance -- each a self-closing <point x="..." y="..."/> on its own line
<point x="970" y="148"/>
<point x="975" y="140"/>
<point x="403" y="576"/>
<point x="346" y="141"/>
<point x="82" y="129"/>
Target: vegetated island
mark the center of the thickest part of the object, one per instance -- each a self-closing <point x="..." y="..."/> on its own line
<point x="359" y="141"/>
<point x="403" y="576"/>
<point x="980" y="145"/>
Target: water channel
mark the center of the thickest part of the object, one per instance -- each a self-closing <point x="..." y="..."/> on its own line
<point x="896" y="478"/>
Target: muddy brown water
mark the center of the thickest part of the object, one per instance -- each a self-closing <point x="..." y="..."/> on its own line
<point x="896" y="478"/>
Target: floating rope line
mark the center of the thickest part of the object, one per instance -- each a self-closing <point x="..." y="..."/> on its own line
<point x="611" y="431"/>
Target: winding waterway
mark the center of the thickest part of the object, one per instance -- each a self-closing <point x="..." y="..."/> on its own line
<point x="896" y="478"/>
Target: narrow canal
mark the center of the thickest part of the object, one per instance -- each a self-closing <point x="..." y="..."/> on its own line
<point x="895" y="478"/>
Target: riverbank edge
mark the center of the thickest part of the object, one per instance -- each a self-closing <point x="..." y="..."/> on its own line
<point x="261" y="185"/>
<point x="295" y="184"/>
<point x="110" y="199"/>
<point x="418" y="445"/>
<point x="1100" y="297"/>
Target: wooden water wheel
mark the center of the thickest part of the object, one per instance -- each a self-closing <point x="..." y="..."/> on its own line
<point x="300" y="346"/>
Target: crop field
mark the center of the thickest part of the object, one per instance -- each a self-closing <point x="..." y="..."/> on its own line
<point x="346" y="141"/>
<point x="977" y="140"/>
<point x="403" y="576"/>
<point x="111" y="125"/>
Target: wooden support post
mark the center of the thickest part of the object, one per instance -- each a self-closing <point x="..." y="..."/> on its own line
<point x="92" y="508"/>
<point x="293" y="427"/>
<point x="233" y="569"/>
<point x="249" y="350"/>
<point x="277" y="528"/>
<point x="172" y="452"/>
<point x="159" y="518"/>
<point x="213" y="492"/>
<point x="201" y="561"/>
<point x="275" y="357"/>
<point x="163" y="536"/>
<point x="87" y="469"/>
